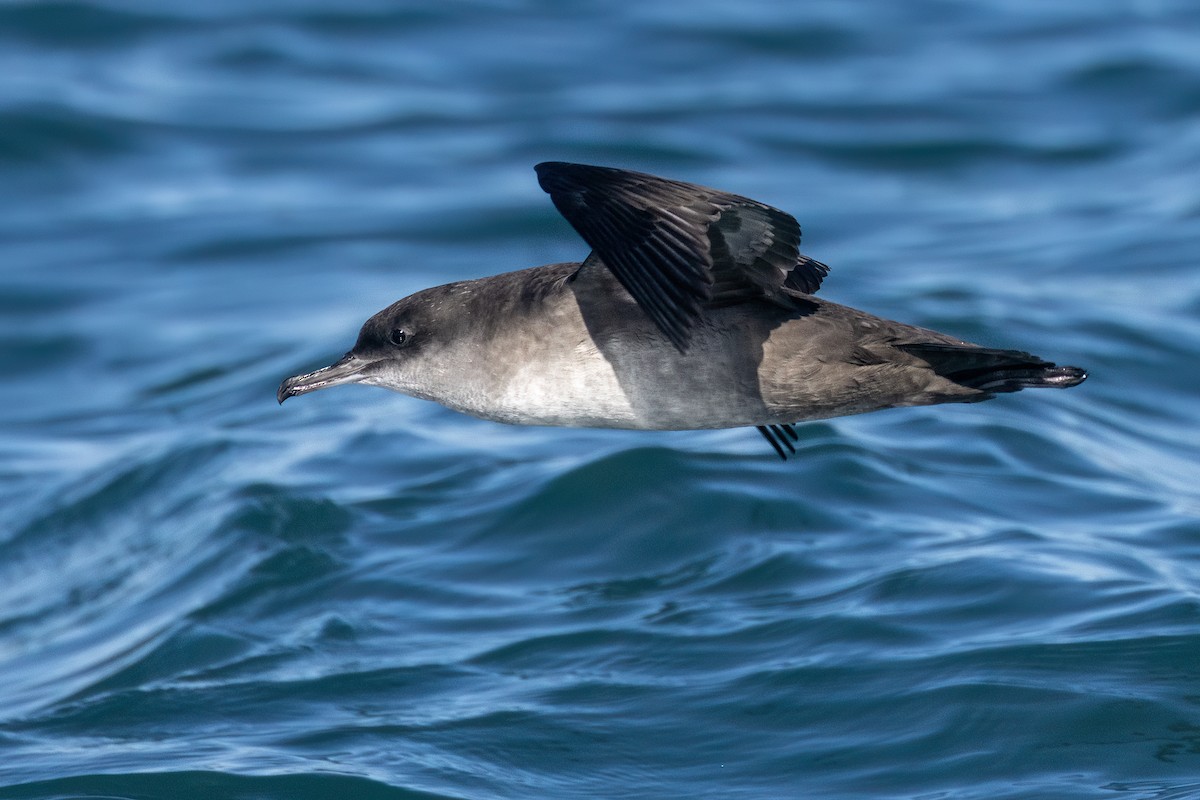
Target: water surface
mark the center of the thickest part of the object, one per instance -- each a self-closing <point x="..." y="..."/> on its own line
<point x="363" y="595"/>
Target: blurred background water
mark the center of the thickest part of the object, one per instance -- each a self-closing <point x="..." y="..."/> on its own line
<point x="363" y="595"/>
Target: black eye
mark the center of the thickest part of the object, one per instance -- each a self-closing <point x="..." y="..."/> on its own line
<point x="398" y="337"/>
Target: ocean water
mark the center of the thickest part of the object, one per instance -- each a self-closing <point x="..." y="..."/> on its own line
<point x="362" y="595"/>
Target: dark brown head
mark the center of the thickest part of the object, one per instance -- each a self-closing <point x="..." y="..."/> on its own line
<point x="396" y="348"/>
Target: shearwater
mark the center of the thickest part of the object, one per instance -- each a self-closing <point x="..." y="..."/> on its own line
<point x="694" y="310"/>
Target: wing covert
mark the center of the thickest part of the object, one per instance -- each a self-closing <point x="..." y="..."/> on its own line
<point x="677" y="247"/>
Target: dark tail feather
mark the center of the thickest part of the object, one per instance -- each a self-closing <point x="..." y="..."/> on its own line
<point x="994" y="371"/>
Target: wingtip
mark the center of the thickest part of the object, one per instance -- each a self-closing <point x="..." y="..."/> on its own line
<point x="548" y="172"/>
<point x="558" y="176"/>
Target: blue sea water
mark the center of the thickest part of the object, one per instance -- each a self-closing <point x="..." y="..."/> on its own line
<point x="362" y="595"/>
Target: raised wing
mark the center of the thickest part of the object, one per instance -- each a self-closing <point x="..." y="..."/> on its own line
<point x="677" y="247"/>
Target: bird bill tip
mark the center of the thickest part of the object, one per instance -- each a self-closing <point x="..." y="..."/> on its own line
<point x="348" y="370"/>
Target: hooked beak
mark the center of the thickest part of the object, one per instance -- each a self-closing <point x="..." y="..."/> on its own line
<point x="350" y="369"/>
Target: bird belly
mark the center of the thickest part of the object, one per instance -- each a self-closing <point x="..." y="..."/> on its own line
<point x="573" y="392"/>
<point x="629" y="386"/>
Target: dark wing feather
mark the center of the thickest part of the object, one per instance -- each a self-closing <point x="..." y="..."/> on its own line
<point x="677" y="247"/>
<point x="756" y="250"/>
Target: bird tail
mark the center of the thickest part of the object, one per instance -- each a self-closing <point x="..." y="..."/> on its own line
<point x="994" y="371"/>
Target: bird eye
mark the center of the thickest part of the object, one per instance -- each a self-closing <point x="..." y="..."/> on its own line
<point x="398" y="337"/>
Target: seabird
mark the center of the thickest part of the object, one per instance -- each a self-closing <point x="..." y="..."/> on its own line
<point x="694" y="310"/>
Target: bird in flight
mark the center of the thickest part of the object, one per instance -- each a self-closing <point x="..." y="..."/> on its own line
<point x="694" y="310"/>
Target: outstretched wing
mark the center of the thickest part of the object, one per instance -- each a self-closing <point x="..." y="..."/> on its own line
<point x="677" y="247"/>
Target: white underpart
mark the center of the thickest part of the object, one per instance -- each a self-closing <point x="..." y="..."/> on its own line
<point x="580" y="391"/>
